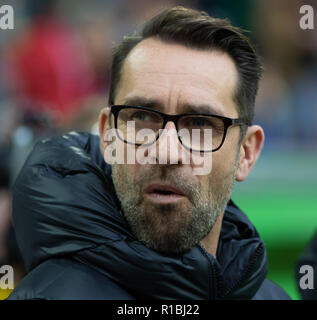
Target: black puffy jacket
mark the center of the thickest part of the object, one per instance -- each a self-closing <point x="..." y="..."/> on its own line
<point x="76" y="243"/>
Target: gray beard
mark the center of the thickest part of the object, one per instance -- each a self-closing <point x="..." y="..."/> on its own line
<point x="164" y="228"/>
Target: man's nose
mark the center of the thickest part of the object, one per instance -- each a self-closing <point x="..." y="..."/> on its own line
<point x="168" y="147"/>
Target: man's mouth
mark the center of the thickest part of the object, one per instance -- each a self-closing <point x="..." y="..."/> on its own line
<point x="163" y="193"/>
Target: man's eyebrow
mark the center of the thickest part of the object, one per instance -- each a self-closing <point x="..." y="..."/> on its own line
<point x="158" y="105"/>
<point x="203" y="108"/>
<point x="144" y="102"/>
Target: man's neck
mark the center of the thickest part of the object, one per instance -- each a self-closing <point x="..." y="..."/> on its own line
<point x="210" y="242"/>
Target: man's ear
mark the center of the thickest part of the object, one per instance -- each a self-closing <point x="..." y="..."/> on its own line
<point x="103" y="127"/>
<point x="249" y="151"/>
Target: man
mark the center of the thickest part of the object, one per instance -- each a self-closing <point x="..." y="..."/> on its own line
<point x="158" y="226"/>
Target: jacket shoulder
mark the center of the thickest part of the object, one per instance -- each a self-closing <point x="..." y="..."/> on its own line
<point x="270" y="291"/>
<point x="67" y="279"/>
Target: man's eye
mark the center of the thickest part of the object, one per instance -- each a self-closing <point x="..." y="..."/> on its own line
<point x="141" y="116"/>
<point x="198" y="122"/>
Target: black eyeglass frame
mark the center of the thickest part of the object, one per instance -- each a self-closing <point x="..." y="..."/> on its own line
<point x="228" y="122"/>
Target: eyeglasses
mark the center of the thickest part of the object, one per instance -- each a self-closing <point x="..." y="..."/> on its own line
<point x="133" y="123"/>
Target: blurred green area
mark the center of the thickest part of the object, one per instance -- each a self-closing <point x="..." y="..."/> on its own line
<point x="280" y="198"/>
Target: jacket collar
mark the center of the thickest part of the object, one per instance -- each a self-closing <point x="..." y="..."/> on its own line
<point x="236" y="272"/>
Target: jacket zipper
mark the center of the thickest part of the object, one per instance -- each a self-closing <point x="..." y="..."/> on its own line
<point x="213" y="276"/>
<point x="257" y="253"/>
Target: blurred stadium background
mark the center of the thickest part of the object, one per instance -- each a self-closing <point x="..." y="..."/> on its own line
<point x="54" y="78"/>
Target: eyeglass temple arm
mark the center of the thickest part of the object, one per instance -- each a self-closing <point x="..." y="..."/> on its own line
<point x="239" y="121"/>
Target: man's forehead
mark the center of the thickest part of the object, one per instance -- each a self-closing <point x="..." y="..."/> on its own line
<point x="157" y="57"/>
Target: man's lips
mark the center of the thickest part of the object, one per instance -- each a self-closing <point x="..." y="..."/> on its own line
<point x="163" y="193"/>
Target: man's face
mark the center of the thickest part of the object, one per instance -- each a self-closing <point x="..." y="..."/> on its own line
<point x="177" y="80"/>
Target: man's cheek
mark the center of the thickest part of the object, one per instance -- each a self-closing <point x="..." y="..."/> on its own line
<point x="202" y="165"/>
<point x="116" y="151"/>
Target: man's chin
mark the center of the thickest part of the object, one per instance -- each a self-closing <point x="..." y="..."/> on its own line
<point x="169" y="246"/>
<point x="167" y="232"/>
<point x="178" y="208"/>
<point x="170" y="228"/>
